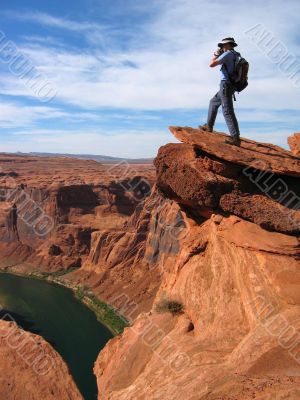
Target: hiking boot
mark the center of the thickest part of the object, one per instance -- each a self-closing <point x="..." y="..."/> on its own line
<point x="233" y="140"/>
<point x="206" y="128"/>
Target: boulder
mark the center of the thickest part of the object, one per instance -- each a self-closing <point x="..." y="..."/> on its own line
<point x="209" y="177"/>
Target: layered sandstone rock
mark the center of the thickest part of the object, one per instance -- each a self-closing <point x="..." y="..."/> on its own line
<point x="60" y="206"/>
<point x="240" y="289"/>
<point x="121" y="268"/>
<point x="263" y="156"/>
<point x="31" y="369"/>
<point x="207" y="181"/>
<point x="294" y="143"/>
<point x="234" y="267"/>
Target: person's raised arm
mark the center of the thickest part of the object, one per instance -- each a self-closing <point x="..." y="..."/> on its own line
<point x="214" y="61"/>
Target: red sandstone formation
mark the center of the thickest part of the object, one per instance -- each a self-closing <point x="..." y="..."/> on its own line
<point x="61" y="202"/>
<point x="121" y="268"/>
<point x="219" y="235"/>
<point x="229" y="253"/>
<point x="31" y="369"/>
<point x="208" y="183"/>
<point x="294" y="143"/>
<point x="263" y="156"/>
<point x="81" y="199"/>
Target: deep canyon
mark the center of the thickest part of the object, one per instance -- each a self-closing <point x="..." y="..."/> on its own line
<point x="211" y="228"/>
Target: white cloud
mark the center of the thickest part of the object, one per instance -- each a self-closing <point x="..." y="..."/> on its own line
<point x="55" y="22"/>
<point x="171" y="62"/>
<point x="14" y="115"/>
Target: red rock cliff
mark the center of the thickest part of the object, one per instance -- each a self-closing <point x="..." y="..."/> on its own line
<point x="222" y="240"/>
<point x="33" y="370"/>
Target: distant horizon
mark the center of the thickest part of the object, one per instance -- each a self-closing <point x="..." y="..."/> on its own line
<point x="109" y="78"/>
<point x="45" y="153"/>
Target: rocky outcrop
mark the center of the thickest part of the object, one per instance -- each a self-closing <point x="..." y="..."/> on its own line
<point x="31" y="369"/>
<point x="233" y="281"/>
<point x="294" y="143"/>
<point x="232" y="263"/>
<point x="265" y="191"/>
<point x="262" y="156"/>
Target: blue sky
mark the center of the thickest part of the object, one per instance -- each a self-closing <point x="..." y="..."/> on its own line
<point x="119" y="72"/>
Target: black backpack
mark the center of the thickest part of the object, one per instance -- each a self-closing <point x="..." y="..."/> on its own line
<point x="239" y="77"/>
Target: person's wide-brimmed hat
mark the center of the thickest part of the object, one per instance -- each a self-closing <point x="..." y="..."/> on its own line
<point x="227" y="40"/>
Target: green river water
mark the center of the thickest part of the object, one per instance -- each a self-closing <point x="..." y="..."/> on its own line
<point x="53" y="312"/>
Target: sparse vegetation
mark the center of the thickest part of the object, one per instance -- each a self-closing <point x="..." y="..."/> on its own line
<point x="105" y="313"/>
<point x="172" y="306"/>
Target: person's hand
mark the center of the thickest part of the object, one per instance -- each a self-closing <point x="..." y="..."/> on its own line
<point x="218" y="52"/>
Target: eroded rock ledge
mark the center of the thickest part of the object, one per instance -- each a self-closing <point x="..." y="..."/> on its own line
<point x="263" y="156"/>
<point x="257" y="182"/>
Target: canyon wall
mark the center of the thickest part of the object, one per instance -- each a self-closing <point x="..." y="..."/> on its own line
<point x="225" y="244"/>
<point x="33" y="370"/>
<point x="59" y="206"/>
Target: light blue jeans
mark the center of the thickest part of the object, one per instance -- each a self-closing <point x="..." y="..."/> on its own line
<point x="224" y="98"/>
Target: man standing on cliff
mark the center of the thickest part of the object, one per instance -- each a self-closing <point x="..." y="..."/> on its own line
<point x="226" y="57"/>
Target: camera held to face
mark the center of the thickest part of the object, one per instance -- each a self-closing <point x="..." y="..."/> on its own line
<point x="218" y="52"/>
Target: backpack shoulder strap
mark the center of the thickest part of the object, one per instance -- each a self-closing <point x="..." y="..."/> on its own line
<point x="229" y="76"/>
<point x="236" y="53"/>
